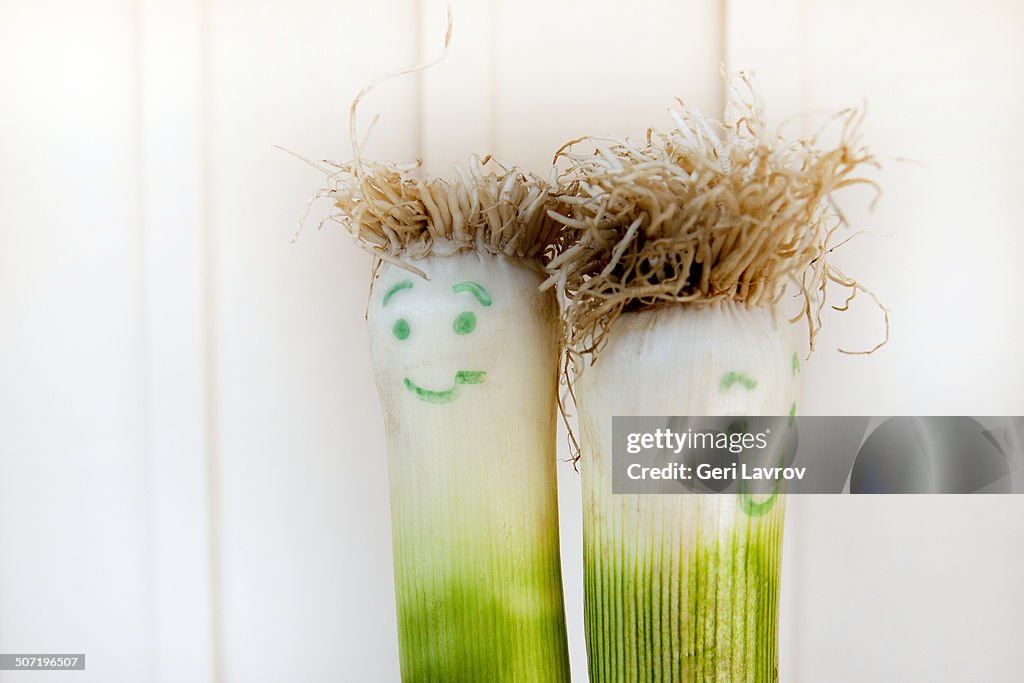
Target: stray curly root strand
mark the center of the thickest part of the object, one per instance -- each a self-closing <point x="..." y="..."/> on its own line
<point x="397" y="215"/>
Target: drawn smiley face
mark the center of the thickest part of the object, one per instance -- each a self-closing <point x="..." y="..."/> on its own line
<point x="464" y="324"/>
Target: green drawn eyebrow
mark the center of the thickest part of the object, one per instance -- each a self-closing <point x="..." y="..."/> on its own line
<point x="404" y="284"/>
<point x="476" y="290"/>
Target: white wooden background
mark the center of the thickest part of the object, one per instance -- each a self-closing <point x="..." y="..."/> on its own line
<point x="192" y="484"/>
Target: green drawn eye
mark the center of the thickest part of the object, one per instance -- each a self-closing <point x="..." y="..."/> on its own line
<point x="400" y="329"/>
<point x="465" y="323"/>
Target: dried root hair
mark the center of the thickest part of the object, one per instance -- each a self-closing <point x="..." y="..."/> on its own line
<point x="706" y="212"/>
<point x="399" y="217"/>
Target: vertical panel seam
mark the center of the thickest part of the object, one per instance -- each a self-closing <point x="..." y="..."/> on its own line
<point x="805" y="61"/>
<point x="145" y="340"/>
<point x="419" y="84"/>
<point x="209" y="344"/>
<point x="723" y="51"/>
<point x="492" y="77"/>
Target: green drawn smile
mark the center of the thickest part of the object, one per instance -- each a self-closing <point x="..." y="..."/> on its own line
<point x="448" y="395"/>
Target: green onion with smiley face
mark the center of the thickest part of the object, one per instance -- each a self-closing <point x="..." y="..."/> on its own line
<point x="465" y="353"/>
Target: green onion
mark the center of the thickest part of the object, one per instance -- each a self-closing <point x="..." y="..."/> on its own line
<point x="465" y="353"/>
<point x="675" y="254"/>
<point x="682" y="587"/>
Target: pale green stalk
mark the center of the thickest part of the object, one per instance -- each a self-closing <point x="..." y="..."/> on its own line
<point x="682" y="587"/>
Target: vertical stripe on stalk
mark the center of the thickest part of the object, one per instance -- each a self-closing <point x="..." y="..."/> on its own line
<point x="725" y="569"/>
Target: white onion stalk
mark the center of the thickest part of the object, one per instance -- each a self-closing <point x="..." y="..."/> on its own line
<point x="682" y="587"/>
<point x="466" y="373"/>
<point x="679" y="249"/>
<point x="465" y="353"/>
